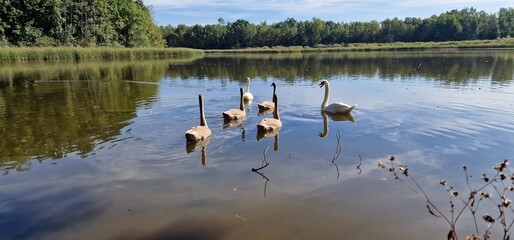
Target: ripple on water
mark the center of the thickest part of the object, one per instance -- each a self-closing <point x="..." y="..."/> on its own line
<point x="470" y="125"/>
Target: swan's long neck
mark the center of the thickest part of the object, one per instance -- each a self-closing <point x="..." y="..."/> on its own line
<point x="274" y="90"/>
<point x="248" y="84"/>
<point x="327" y="95"/>
<point x="203" y="122"/>
<point x="242" y="104"/>
<point x="275" y="112"/>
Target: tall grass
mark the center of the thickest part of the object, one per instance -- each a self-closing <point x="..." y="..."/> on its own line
<point x="21" y="54"/>
<point x="497" y="43"/>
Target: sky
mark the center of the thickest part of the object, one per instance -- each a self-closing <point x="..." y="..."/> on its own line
<point x="204" y="12"/>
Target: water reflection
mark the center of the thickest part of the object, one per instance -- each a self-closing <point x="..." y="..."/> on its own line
<point x="264" y="164"/>
<point x="269" y="134"/>
<point x="264" y="112"/>
<point x="192" y="146"/>
<point x="229" y="123"/>
<point x="446" y="67"/>
<point x="138" y="176"/>
<point x="70" y="108"/>
<point x="341" y="117"/>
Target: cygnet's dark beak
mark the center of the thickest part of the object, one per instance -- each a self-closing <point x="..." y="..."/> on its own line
<point x="321" y="84"/>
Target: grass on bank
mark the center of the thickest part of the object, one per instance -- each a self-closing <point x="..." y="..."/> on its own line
<point x="21" y="54"/>
<point x="496" y="43"/>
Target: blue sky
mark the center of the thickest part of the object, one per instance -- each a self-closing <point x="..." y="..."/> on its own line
<point x="203" y="12"/>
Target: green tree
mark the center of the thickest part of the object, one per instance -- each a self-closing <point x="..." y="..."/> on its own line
<point x="506" y="22"/>
<point x="287" y="32"/>
<point x="487" y="26"/>
<point x="392" y="30"/>
<point x="446" y="28"/>
<point x="240" y="34"/>
<point x="363" y="31"/>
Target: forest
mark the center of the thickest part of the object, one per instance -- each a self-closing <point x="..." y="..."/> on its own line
<point x="129" y="23"/>
<point x="455" y="25"/>
<point x="87" y="23"/>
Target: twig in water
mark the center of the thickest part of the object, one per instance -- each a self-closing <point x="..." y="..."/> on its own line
<point x="258" y="169"/>
<point x="338" y="151"/>
<point x="265" y="183"/>
<point x="359" y="166"/>
<point x="265" y="162"/>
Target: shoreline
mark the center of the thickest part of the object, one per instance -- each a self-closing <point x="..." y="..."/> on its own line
<point x="57" y="54"/>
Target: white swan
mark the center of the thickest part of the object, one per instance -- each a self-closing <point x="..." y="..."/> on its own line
<point x="271" y="124"/>
<point x="201" y="132"/>
<point x="248" y="95"/>
<point x="268" y="105"/>
<point x="236" y="114"/>
<point x="336" y="107"/>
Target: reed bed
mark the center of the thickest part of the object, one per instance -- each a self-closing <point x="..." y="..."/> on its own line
<point x="22" y="54"/>
<point x="496" y="43"/>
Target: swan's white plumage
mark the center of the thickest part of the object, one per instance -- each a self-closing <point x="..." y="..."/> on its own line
<point x="336" y="107"/>
<point x="247" y="96"/>
<point x="202" y="132"/>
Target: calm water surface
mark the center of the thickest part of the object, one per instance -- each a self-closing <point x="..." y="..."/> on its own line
<point x="97" y="150"/>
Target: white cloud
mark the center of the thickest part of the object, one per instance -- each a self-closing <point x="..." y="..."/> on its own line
<point x="313" y="5"/>
<point x="200" y="11"/>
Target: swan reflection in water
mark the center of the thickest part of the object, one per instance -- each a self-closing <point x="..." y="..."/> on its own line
<point x="192" y="146"/>
<point x="236" y="123"/>
<point x="228" y="123"/>
<point x="263" y="134"/>
<point x="248" y="106"/>
<point x="264" y="111"/>
<point x="336" y="117"/>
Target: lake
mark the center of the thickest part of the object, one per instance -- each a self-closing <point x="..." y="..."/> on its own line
<point x="97" y="150"/>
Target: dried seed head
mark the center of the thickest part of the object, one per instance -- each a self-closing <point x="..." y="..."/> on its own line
<point x="473" y="237"/>
<point x="484" y="194"/>
<point x="484" y="176"/>
<point x="506" y="202"/>
<point x="391" y="169"/>
<point x="510" y="188"/>
<point x="488" y="218"/>
<point x="404" y="170"/>
<point x="381" y="165"/>
<point x="454" y="193"/>
<point x="503" y="176"/>
<point x="391" y="158"/>
<point x="464" y="167"/>
<point x="501" y="166"/>
<point x="442" y="182"/>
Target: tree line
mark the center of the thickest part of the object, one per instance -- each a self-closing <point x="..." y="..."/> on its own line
<point x="129" y="23"/>
<point x="455" y="25"/>
<point x="124" y="23"/>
